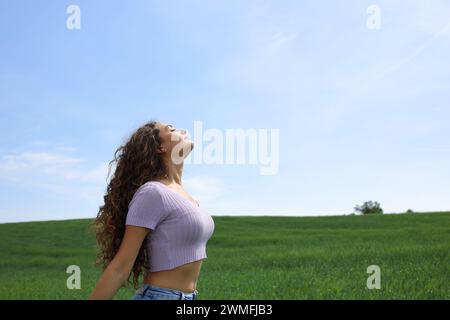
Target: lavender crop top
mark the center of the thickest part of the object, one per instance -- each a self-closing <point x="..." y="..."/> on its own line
<point x="180" y="229"/>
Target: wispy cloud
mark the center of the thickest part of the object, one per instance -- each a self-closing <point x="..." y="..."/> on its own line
<point x="54" y="172"/>
<point x="204" y="188"/>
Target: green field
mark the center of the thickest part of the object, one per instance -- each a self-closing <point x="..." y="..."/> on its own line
<point x="255" y="258"/>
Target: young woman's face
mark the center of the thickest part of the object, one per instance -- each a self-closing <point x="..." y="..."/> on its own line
<point x="172" y="137"/>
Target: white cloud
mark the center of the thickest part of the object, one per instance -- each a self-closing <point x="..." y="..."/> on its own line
<point x="53" y="172"/>
<point x="58" y="186"/>
<point x="204" y="188"/>
<point x="35" y="160"/>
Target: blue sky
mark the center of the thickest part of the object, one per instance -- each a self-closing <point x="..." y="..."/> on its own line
<point x="362" y="114"/>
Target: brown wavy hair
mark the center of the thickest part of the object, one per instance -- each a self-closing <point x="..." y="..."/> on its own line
<point x="136" y="162"/>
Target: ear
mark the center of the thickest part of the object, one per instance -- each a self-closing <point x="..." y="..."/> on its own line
<point x="161" y="150"/>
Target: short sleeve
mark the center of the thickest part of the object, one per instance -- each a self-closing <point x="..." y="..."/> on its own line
<point x="146" y="209"/>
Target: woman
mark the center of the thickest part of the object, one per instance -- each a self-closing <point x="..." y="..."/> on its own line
<point x="148" y="224"/>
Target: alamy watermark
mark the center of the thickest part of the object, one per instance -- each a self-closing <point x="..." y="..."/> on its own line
<point x="73" y="21"/>
<point x="374" y="280"/>
<point x="74" y="280"/>
<point x="374" y="20"/>
<point x="232" y="146"/>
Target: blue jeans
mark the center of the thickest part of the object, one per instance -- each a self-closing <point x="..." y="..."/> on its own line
<point x="151" y="292"/>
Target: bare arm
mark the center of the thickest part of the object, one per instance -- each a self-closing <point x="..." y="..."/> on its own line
<point x="120" y="267"/>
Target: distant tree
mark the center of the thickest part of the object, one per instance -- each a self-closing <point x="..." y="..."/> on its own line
<point x="369" y="207"/>
<point x="409" y="211"/>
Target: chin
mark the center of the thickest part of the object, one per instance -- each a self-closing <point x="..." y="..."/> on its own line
<point x="188" y="142"/>
<point x="188" y="146"/>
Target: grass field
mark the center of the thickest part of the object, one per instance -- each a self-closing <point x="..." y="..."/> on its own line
<point x="255" y="258"/>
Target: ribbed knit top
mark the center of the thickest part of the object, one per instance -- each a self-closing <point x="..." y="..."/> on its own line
<point x="180" y="228"/>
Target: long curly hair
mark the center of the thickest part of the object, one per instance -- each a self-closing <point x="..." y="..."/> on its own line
<point x="136" y="162"/>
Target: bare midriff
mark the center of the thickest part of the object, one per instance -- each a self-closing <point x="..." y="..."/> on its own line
<point x="183" y="278"/>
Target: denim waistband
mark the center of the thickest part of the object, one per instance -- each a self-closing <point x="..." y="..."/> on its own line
<point x="179" y="293"/>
